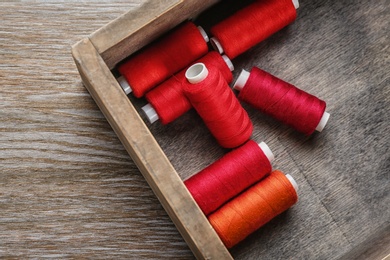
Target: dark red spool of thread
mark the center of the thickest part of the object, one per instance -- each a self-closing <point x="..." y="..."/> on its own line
<point x="283" y="101"/>
<point x="163" y="58"/>
<point x="216" y="103"/>
<point x="252" y="24"/>
<point x="168" y="99"/>
<point x="229" y="176"/>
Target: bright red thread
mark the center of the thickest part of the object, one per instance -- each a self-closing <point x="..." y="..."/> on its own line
<point x="168" y="98"/>
<point x="283" y="101"/>
<point x="163" y="58"/>
<point x="219" y="108"/>
<point x="247" y="212"/>
<point x="228" y="176"/>
<point x="252" y="24"/>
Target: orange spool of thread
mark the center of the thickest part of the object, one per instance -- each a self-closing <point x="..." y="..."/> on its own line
<point x="251" y="25"/>
<point x="253" y="208"/>
<point x="162" y="59"/>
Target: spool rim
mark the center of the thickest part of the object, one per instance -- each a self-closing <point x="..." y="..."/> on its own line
<point x="196" y="73"/>
<point x="124" y="84"/>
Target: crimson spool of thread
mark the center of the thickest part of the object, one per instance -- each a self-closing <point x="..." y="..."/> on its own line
<point x="253" y="208"/>
<point x="281" y="100"/>
<point x="162" y="59"/>
<point x="251" y="25"/>
<point x="215" y="102"/>
<point x="167" y="101"/>
<point x="230" y="175"/>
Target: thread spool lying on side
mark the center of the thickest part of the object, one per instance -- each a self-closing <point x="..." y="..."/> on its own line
<point x="253" y="208"/>
<point x="281" y="100"/>
<point x="251" y="25"/>
<point x="230" y="175"/>
<point x="163" y="58"/>
<point x="215" y="102"/>
<point x="167" y="101"/>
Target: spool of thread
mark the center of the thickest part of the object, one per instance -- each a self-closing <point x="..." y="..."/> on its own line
<point x="167" y="101"/>
<point x="162" y="59"/>
<point x="281" y="100"/>
<point x="253" y="208"/>
<point x="251" y="25"/>
<point x="210" y="95"/>
<point x="230" y="175"/>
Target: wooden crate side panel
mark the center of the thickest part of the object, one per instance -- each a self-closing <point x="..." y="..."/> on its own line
<point x="147" y="154"/>
<point x="133" y="30"/>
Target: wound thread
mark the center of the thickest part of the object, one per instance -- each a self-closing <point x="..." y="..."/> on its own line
<point x="253" y="208"/>
<point x="228" y="176"/>
<point x="252" y="24"/>
<point x="168" y="98"/>
<point x="283" y="101"/>
<point x="217" y="105"/>
<point x="163" y="58"/>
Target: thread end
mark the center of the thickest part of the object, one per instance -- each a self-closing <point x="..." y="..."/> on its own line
<point x="196" y="73"/>
<point x="324" y="120"/>
<point x="150" y="113"/>
<point x="267" y="151"/>
<point x="125" y="85"/>
<point x="241" y="80"/>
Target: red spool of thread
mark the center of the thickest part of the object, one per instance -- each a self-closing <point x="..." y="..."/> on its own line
<point x="163" y="58"/>
<point x="167" y="101"/>
<point x="281" y="100"/>
<point x="251" y="25"/>
<point x="247" y="212"/>
<point x="215" y="102"/>
<point x="230" y="175"/>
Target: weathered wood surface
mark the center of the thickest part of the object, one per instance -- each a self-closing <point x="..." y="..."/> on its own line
<point x="69" y="189"/>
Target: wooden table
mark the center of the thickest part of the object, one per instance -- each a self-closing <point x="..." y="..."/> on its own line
<point x="69" y="189"/>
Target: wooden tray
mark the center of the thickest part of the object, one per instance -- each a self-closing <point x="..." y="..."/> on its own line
<point x="95" y="56"/>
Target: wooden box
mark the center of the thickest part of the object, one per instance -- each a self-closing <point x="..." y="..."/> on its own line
<point x="95" y="56"/>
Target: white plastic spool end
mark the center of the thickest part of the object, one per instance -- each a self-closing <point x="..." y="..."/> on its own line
<point x="204" y="34"/>
<point x="228" y="62"/>
<point x="241" y="80"/>
<point x="293" y="182"/>
<point x="196" y="73"/>
<point x="125" y="85"/>
<point x="323" y="121"/>
<point x="267" y="151"/>
<point x="296" y="3"/>
<point x="216" y="45"/>
<point x="150" y="113"/>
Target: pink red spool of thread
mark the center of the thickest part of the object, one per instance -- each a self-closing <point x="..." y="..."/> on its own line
<point x="281" y="100"/>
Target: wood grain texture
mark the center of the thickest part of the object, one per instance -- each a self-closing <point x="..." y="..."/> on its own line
<point x="69" y="189"/>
